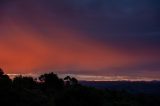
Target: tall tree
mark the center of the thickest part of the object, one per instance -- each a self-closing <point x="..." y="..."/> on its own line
<point x="52" y="81"/>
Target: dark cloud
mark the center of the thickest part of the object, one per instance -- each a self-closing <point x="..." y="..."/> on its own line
<point x="145" y="69"/>
<point x="129" y="26"/>
<point x="121" y="22"/>
<point x="109" y="17"/>
<point x="118" y="22"/>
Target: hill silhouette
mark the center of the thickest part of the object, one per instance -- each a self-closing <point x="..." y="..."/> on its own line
<point x="50" y="90"/>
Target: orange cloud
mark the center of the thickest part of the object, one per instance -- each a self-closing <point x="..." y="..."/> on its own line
<point x="26" y="47"/>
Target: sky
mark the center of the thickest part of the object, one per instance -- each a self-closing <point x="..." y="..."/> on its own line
<point x="90" y="39"/>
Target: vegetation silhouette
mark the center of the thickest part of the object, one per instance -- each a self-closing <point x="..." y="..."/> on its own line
<point x="5" y="81"/>
<point x="70" y="81"/>
<point x="21" y="82"/>
<point x="50" y="90"/>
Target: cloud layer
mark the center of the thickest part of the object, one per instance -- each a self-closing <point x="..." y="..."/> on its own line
<point x="89" y="37"/>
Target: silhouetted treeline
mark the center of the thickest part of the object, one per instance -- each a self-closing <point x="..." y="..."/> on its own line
<point x="50" y="90"/>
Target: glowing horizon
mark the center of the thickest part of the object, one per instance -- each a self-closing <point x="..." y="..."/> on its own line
<point x="92" y="77"/>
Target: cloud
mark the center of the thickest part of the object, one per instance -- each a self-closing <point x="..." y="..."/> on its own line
<point x="91" y="37"/>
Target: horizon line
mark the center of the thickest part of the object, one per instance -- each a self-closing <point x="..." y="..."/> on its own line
<point x="81" y="77"/>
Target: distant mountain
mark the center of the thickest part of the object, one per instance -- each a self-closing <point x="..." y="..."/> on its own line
<point x="152" y="87"/>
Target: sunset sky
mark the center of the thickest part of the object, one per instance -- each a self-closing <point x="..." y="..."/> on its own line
<point x="91" y="39"/>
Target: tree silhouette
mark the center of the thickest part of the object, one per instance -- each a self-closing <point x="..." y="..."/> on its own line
<point x="70" y="81"/>
<point x="1" y="72"/>
<point x="5" y="81"/>
<point x="52" y="81"/>
<point x="74" y="81"/>
<point x="25" y="91"/>
<point x="67" y="80"/>
<point x="24" y="82"/>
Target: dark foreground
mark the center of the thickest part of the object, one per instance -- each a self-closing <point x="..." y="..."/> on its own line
<point x="49" y="90"/>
